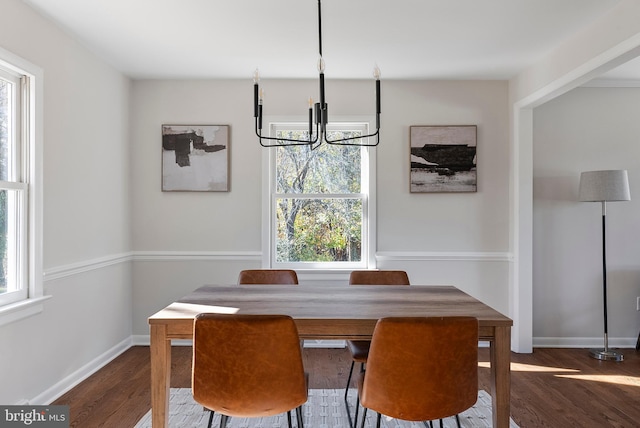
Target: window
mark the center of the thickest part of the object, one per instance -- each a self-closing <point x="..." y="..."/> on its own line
<point x="320" y="201"/>
<point x="13" y="190"/>
<point x="20" y="206"/>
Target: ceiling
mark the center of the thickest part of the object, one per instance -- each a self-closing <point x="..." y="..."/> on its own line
<point x="407" y="39"/>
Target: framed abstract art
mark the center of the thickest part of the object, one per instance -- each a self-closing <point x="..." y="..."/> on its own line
<point x="443" y="159"/>
<point x="195" y="158"/>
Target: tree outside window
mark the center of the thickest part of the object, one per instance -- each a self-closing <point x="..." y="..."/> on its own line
<point x="318" y="201"/>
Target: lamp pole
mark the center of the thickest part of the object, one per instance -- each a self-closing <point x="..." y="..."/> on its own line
<point x="604" y="186"/>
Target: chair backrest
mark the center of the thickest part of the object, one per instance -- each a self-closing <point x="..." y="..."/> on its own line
<point x="378" y="277"/>
<point x="422" y="368"/>
<point x="268" y="276"/>
<point x="247" y="365"/>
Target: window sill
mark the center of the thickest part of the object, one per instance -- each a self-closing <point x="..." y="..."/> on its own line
<point x="20" y="310"/>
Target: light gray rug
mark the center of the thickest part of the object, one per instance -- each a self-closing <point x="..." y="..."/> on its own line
<point x="324" y="409"/>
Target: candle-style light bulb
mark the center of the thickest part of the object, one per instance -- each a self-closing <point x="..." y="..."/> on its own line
<point x="310" y="117"/>
<point x="321" y="70"/>
<point x="261" y="95"/>
<point x="376" y="72"/>
<point x="256" y="79"/>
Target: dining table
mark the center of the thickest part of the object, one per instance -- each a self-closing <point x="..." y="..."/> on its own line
<point x="329" y="312"/>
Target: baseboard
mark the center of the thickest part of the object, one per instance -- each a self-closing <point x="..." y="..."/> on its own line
<point x="583" y="342"/>
<point x="324" y="344"/>
<point x="64" y="385"/>
<point x="145" y="340"/>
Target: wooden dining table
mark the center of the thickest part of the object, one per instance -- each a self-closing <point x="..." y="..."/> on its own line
<point x="329" y="312"/>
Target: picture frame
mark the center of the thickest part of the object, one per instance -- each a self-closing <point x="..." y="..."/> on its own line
<point x="195" y="158"/>
<point x="443" y="159"/>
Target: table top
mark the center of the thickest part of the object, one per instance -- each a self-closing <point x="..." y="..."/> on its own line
<point x="319" y="302"/>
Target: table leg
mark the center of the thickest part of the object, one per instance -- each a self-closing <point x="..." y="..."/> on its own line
<point x="500" y="359"/>
<point x="160" y="375"/>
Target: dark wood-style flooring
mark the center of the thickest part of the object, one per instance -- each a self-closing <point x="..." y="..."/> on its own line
<point x="550" y="388"/>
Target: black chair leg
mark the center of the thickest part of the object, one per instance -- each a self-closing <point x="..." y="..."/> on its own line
<point x="211" y="412"/>
<point x="354" y="423"/>
<point x="346" y="402"/>
<point x="458" y="421"/>
<point x="223" y="421"/>
<point x="289" y="419"/>
<point x="299" y="416"/>
<point x="349" y="379"/>
<point x="428" y="425"/>
<point x="441" y="424"/>
<point x="364" y="416"/>
<point x="378" y="420"/>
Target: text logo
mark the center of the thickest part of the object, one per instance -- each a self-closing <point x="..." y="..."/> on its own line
<point x="34" y="416"/>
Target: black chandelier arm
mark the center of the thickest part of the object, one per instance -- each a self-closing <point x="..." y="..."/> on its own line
<point x="290" y="141"/>
<point x="344" y="141"/>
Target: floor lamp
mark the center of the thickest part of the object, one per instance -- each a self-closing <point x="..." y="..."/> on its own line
<point x="604" y="186"/>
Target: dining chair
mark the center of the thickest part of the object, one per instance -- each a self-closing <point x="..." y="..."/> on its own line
<point x="248" y="366"/>
<point x="420" y="368"/>
<point x="268" y="276"/>
<point x="359" y="349"/>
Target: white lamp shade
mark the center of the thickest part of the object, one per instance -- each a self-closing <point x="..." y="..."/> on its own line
<point x="598" y="186"/>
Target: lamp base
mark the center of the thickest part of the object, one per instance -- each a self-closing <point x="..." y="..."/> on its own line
<point x="606" y="355"/>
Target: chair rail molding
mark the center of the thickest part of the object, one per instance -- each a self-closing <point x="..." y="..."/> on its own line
<point x="71" y="269"/>
<point x="85" y="266"/>
<point x="197" y="255"/>
<point x="479" y="256"/>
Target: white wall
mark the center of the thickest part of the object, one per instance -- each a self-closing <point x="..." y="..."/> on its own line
<point x="183" y="240"/>
<point x="86" y="215"/>
<point x="585" y="129"/>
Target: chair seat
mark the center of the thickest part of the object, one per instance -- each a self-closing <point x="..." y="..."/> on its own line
<point x="359" y="350"/>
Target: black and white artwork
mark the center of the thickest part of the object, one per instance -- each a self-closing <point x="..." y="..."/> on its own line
<point x="195" y="158"/>
<point x="443" y="159"/>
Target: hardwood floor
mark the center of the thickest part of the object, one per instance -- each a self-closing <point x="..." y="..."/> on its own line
<point x="550" y="388"/>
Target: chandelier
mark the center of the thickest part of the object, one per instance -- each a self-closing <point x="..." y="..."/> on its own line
<point x="318" y="112"/>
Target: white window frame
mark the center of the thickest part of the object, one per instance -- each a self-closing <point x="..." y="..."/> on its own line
<point x="368" y="194"/>
<point x="28" y="182"/>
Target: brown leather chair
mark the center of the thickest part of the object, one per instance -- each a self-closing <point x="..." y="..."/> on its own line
<point x="268" y="276"/>
<point x="359" y="349"/>
<point x="379" y="277"/>
<point x="248" y="366"/>
<point x="421" y="368"/>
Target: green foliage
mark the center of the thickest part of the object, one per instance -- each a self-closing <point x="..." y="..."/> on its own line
<point x="317" y="220"/>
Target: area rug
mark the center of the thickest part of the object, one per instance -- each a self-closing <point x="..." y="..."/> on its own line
<point x="324" y="409"/>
